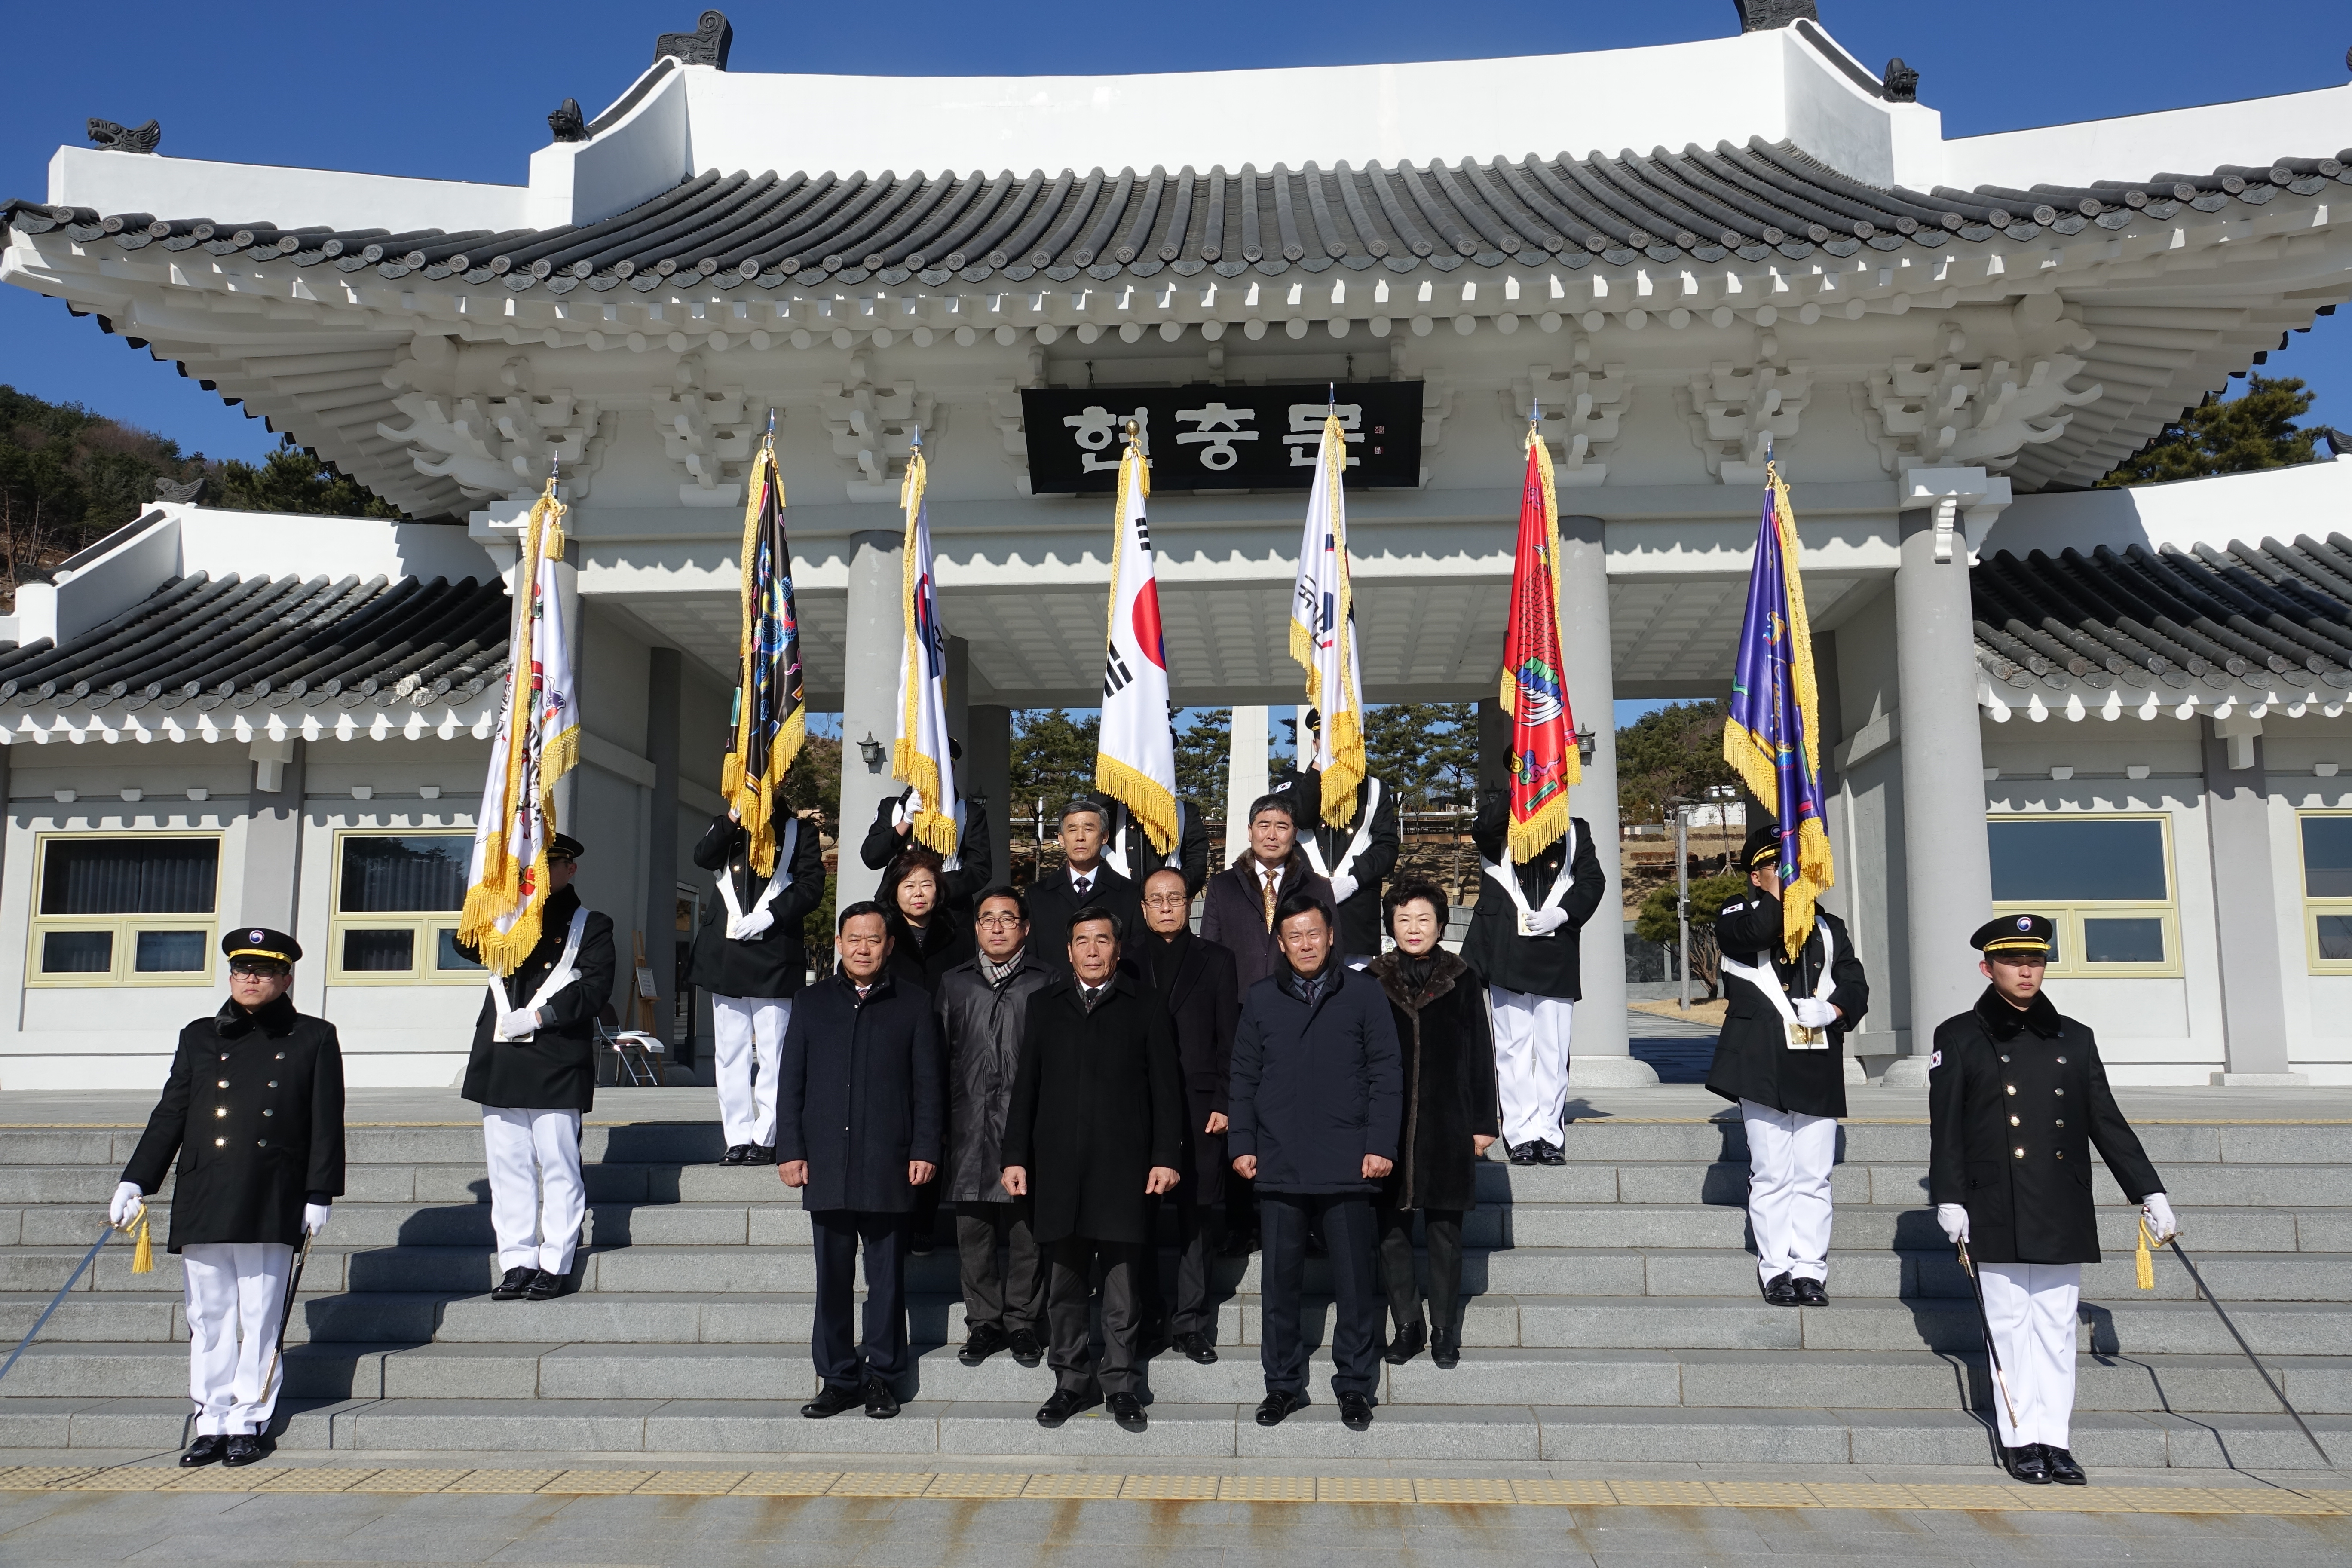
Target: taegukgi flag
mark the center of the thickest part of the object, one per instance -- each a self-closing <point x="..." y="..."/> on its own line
<point x="538" y="742"/>
<point x="919" y="756"/>
<point x="770" y="704"/>
<point x="1134" y="759"/>
<point x="1323" y="630"/>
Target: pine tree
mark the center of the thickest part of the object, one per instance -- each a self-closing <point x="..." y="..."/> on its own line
<point x="2245" y="433"/>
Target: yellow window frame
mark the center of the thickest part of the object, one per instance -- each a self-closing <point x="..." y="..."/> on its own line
<point x="425" y="925"/>
<point x="2316" y="908"/>
<point x="2070" y="915"/>
<point x="123" y="929"/>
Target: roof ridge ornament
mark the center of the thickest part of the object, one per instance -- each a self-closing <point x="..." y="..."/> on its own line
<point x="707" y="45"/>
<point x="567" y="122"/>
<point x="171" y="490"/>
<point x="1902" y="82"/>
<point x="1763" y="16"/>
<point x="113" y="138"/>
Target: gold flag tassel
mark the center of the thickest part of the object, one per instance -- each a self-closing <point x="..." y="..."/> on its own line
<point x="2143" y="1262"/>
<point x="142" y="1254"/>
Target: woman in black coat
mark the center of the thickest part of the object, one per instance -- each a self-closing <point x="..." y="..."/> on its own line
<point x="926" y="939"/>
<point x="1450" y="1117"/>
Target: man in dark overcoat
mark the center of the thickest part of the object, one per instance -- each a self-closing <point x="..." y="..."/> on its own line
<point x="1084" y="880"/>
<point x="1238" y="914"/>
<point x="2017" y="1099"/>
<point x="1128" y="850"/>
<point x="1192" y="978"/>
<point x="1355" y="855"/>
<point x="1317" y="1109"/>
<point x="749" y="956"/>
<point x="860" y="1113"/>
<point x="969" y="870"/>
<point x="533" y="1073"/>
<point x="254" y="1112"/>
<point x="1781" y="1059"/>
<point x="983" y="1006"/>
<point x="1095" y="1130"/>
<point x="1526" y="934"/>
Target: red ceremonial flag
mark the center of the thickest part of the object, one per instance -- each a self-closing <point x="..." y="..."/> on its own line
<point x="1544" y="761"/>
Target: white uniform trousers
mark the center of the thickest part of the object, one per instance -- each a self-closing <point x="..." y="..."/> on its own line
<point x="1531" y="1065"/>
<point x="537" y="1200"/>
<point x="236" y="1290"/>
<point x="749" y="1031"/>
<point x="2031" y="1306"/>
<point x="1789" y="1160"/>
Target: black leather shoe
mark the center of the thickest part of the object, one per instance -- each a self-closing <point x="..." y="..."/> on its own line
<point x="1445" y="1347"/>
<point x="2061" y="1466"/>
<point x="1524" y="1154"/>
<point x="244" y="1448"/>
<point x="204" y="1451"/>
<point x="1274" y="1406"/>
<point x="1065" y="1403"/>
<point x="1355" y="1412"/>
<point x="737" y="1154"/>
<point x="982" y="1342"/>
<point x="762" y="1154"/>
<point x="512" y="1287"/>
<point x="1550" y="1153"/>
<point x="1781" y="1290"/>
<point x="1127" y="1410"/>
<point x="832" y="1400"/>
<point x="2025" y="1462"/>
<point x="546" y="1287"/>
<point x="1239" y="1243"/>
<point x="1810" y="1293"/>
<point x="881" y="1399"/>
<point x="1407" y="1343"/>
<point x="1026" y="1347"/>
<point x="1195" y="1346"/>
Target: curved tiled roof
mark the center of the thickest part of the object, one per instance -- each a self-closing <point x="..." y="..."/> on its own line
<point x="2260" y="618"/>
<point x="771" y="229"/>
<point x="276" y="641"/>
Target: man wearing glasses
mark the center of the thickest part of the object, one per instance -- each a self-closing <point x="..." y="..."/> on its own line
<point x="254" y="1110"/>
<point x="533" y="1073"/>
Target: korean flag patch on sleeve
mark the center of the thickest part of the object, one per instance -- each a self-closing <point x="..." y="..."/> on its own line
<point x="1935" y="1061"/>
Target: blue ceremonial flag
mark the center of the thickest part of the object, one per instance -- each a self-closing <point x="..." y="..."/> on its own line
<point x="1774" y="734"/>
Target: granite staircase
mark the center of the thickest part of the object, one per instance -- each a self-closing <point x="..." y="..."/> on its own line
<point x="1612" y="1315"/>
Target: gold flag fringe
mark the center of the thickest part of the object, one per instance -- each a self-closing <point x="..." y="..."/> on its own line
<point x="932" y="826"/>
<point x="757" y="802"/>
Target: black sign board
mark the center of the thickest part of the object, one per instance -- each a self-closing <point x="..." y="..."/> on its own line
<point x="1221" y="437"/>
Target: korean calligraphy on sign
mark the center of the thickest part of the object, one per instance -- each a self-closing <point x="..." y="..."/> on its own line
<point x="1221" y="437"/>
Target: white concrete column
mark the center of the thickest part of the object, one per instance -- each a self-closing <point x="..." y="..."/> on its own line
<point x="2245" y="900"/>
<point x="1948" y="865"/>
<point x="988" y="765"/>
<point x="665" y="696"/>
<point x="1599" y="1054"/>
<point x="1246" y="777"/>
<point x="872" y="644"/>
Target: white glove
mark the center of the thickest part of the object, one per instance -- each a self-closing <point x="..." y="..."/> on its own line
<point x="2161" y="1221"/>
<point x="1343" y="889"/>
<point x="1543" y="922"/>
<point x="517" y="1025"/>
<point x="127" y="1199"/>
<point x="1954" y="1219"/>
<point x="753" y="926"/>
<point x="315" y="1217"/>
<point x="1813" y="1012"/>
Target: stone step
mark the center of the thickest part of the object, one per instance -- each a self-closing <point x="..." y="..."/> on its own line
<point x="1585" y="1433"/>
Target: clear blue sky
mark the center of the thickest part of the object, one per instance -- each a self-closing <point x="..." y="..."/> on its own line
<point x="462" y="92"/>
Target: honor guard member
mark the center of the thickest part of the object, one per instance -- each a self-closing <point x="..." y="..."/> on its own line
<point x="254" y="1110"/>
<point x="967" y="869"/>
<point x="533" y="1072"/>
<point x="1355" y="858"/>
<point x="1524" y="944"/>
<point x="1782" y="1055"/>
<point x="1128" y="850"/>
<point x="749" y="956"/>
<point x="2017" y="1099"/>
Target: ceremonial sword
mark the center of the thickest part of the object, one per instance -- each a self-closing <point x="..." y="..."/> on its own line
<point x="2206" y="1291"/>
<point x="58" y="1300"/>
<point x="1984" y="1321"/>
<point x="286" y="1310"/>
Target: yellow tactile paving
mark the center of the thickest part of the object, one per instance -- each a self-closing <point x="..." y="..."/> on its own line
<point x="1082" y="1485"/>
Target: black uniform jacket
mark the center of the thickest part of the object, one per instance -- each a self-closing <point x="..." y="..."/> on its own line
<point x="860" y="1091"/>
<point x="1752" y="1059"/>
<point x="554" y="1069"/>
<point x="1192" y="852"/>
<point x="2016" y="1100"/>
<point x="254" y="1109"/>
<point x="974" y="862"/>
<point x="1317" y="1086"/>
<point x="1448" y="1046"/>
<point x="774" y="963"/>
<point x="1193" y="979"/>
<point x="1533" y="965"/>
<point x="945" y="941"/>
<point x="1233" y="916"/>
<point x="979" y="1031"/>
<point x="1096" y="1105"/>
<point x="1359" y="917"/>
<point x="1053" y="900"/>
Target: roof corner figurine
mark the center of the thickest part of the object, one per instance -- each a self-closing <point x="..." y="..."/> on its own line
<point x="113" y="138"/>
<point x="705" y="46"/>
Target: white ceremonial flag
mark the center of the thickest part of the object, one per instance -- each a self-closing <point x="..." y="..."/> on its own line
<point x="1323" y="631"/>
<point x="1135" y="760"/>
<point x="919" y="756"/>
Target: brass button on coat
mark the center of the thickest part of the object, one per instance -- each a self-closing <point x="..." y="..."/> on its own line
<point x="2060" y="1154"/>
<point x="224" y="1083"/>
<point x="2010" y="1087"/>
<point x="2020" y="1153"/>
<point x="2013" y="1122"/>
<point x="220" y="1110"/>
<point x="220" y="1142"/>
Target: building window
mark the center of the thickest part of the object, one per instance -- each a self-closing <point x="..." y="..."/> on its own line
<point x="2328" y="890"/>
<point x="2105" y="880"/>
<point x="124" y="909"/>
<point x="396" y="910"/>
